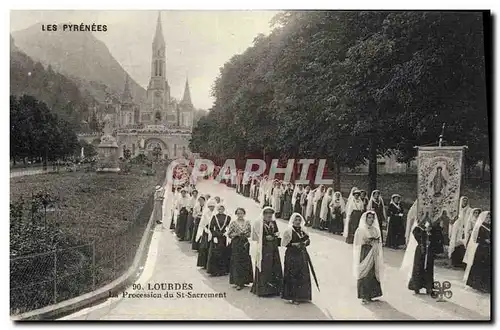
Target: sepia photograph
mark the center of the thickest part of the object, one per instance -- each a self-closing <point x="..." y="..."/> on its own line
<point x="250" y="165"/>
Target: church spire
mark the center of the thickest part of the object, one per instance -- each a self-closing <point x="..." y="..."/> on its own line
<point x="186" y="99"/>
<point x="158" y="40"/>
<point x="127" y="96"/>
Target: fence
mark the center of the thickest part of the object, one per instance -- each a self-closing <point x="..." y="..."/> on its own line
<point x="41" y="279"/>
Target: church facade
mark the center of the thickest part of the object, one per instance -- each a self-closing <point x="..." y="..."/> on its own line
<point x="160" y="127"/>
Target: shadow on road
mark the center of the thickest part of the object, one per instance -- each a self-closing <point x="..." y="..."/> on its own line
<point x="263" y="308"/>
<point x="451" y="307"/>
<point x="386" y="311"/>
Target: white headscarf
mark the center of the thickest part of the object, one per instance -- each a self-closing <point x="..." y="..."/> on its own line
<point x="375" y="256"/>
<point x="457" y="228"/>
<point x="372" y="201"/>
<point x="398" y="205"/>
<point x="410" y="219"/>
<point x="472" y="246"/>
<point x="206" y="217"/>
<point x="287" y="234"/>
<point x="257" y="233"/>
<point x="340" y="203"/>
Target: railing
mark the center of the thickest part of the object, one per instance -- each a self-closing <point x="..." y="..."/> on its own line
<point x="42" y="279"/>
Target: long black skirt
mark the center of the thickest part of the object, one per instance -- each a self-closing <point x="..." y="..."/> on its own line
<point x="296" y="276"/>
<point x="172" y="222"/>
<point x="457" y="256"/>
<point x="336" y="224"/>
<point x="189" y="227"/>
<point x="240" y="270"/>
<point x="422" y="276"/>
<point x="353" y="225"/>
<point x="297" y="208"/>
<point x="316" y="220"/>
<point x="180" y="226"/>
<point x="480" y="272"/>
<point x="269" y="280"/>
<point x="203" y="251"/>
<point x="395" y="232"/>
<point x="246" y="190"/>
<point x="218" y="257"/>
<point x="195" y="245"/>
<point x="368" y="286"/>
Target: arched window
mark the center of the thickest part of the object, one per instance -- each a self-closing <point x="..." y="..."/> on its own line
<point x="160" y="68"/>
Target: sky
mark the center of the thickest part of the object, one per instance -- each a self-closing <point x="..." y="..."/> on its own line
<point x="198" y="43"/>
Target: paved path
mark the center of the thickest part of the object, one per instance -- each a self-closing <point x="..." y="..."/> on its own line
<point x="173" y="261"/>
<point x="22" y="172"/>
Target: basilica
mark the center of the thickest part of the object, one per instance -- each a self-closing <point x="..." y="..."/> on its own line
<point x="159" y="126"/>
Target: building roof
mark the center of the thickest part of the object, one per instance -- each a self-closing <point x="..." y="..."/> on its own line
<point x="186" y="99"/>
<point x="127" y="96"/>
<point x="158" y="39"/>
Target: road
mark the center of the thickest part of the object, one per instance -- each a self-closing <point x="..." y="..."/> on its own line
<point x="173" y="261"/>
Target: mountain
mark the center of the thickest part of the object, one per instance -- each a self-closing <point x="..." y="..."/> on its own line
<point x="79" y="56"/>
<point x="61" y="94"/>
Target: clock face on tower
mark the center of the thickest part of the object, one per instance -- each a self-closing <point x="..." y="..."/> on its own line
<point x="158" y="94"/>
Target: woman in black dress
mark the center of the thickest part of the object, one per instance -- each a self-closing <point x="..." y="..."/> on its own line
<point x="287" y="207"/>
<point x="368" y="258"/>
<point x="190" y="218"/>
<point x="318" y="199"/>
<point x="203" y="235"/>
<point x="395" y="228"/>
<point x="355" y="209"/>
<point x="376" y="204"/>
<point x="218" y="258"/>
<point x="240" y="270"/>
<point x="197" y="213"/>
<point x="419" y="257"/>
<point x="296" y="276"/>
<point x="478" y="272"/>
<point x="337" y="209"/>
<point x="268" y="275"/>
<point x="183" y="206"/>
<point x="296" y="198"/>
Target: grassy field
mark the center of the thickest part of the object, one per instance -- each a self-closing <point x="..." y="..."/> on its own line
<point x="90" y="205"/>
<point x="88" y="238"/>
<point x="479" y="193"/>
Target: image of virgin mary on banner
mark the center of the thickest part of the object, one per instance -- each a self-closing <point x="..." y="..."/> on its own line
<point x="439" y="179"/>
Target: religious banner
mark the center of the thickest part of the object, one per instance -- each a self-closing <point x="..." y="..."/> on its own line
<point x="439" y="178"/>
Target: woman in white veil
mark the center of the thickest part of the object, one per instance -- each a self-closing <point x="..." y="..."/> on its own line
<point x="324" y="214"/>
<point x="468" y="228"/>
<point x="410" y="220"/>
<point x="268" y="275"/>
<point x="337" y="209"/>
<point x="456" y="248"/>
<point x="478" y="272"/>
<point x="310" y="206"/>
<point x="296" y="276"/>
<point x="348" y="207"/>
<point x="368" y="260"/>
<point x="203" y="234"/>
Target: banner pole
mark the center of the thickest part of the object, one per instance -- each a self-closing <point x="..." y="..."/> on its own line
<point x="441" y="135"/>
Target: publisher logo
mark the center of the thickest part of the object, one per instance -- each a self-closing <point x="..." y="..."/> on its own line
<point x="441" y="290"/>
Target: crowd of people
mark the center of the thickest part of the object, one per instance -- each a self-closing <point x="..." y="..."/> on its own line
<point x="223" y="240"/>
